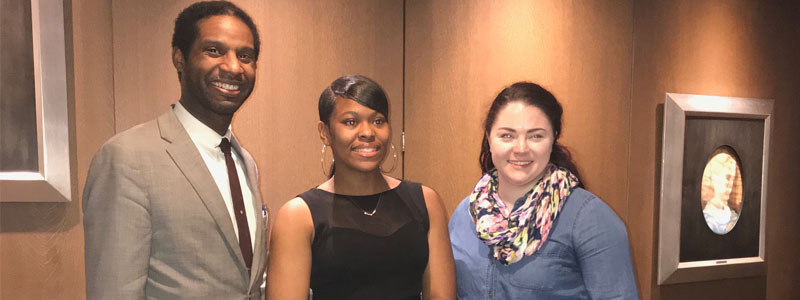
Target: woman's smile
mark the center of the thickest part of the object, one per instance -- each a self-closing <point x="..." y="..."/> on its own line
<point x="368" y="151"/>
<point x="520" y="163"/>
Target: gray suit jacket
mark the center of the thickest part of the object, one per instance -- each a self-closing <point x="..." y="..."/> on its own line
<point x="156" y="226"/>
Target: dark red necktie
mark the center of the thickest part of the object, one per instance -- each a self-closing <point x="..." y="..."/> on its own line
<point x="238" y="205"/>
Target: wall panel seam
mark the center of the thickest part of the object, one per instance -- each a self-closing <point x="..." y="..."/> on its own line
<point x="113" y="73"/>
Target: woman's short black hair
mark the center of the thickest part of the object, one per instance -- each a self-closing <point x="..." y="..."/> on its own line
<point x="530" y="94"/>
<point x="357" y="88"/>
<point x="186" y="24"/>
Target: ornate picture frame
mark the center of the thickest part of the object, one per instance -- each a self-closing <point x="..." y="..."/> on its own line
<point x="52" y="182"/>
<point x="695" y="127"/>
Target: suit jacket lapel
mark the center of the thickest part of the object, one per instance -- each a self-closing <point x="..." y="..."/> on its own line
<point x="261" y="222"/>
<point x="186" y="156"/>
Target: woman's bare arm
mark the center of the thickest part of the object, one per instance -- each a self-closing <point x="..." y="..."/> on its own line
<point x="289" y="269"/>
<point x="439" y="282"/>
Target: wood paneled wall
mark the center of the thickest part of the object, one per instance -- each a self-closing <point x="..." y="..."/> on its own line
<point x="728" y="48"/>
<point x="609" y="63"/>
<point x="460" y="54"/>
<point x="41" y="244"/>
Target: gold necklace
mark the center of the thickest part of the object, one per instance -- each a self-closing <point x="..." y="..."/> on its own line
<point x="366" y="213"/>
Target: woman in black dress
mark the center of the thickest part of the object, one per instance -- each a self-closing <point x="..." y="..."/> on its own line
<point x="360" y="234"/>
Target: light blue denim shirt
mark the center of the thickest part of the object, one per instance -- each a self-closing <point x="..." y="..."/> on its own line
<point x="587" y="256"/>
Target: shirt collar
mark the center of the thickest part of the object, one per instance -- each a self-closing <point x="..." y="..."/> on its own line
<point x="202" y="135"/>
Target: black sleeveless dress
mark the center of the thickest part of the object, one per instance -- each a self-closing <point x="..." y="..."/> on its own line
<point x="356" y="256"/>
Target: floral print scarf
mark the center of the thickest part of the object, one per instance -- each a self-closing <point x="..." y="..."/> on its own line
<point x="525" y="229"/>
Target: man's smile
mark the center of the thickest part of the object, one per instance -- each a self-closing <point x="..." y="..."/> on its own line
<point x="226" y="86"/>
<point x="227" y="89"/>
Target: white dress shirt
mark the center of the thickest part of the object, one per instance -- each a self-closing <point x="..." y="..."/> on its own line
<point x="207" y="142"/>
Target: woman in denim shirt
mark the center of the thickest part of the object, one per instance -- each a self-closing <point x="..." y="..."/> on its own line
<point x="529" y="230"/>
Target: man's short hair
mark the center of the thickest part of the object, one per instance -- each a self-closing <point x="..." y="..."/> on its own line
<point x="186" y="24"/>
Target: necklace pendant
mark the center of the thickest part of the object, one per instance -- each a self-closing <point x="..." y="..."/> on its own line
<point x="366" y="213"/>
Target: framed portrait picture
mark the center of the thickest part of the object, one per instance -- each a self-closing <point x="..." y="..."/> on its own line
<point x="713" y="188"/>
<point x="34" y="136"/>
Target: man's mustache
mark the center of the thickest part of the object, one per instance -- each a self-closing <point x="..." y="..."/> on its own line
<point x="228" y="77"/>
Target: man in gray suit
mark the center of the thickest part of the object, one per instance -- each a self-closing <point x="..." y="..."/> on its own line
<point x="171" y="206"/>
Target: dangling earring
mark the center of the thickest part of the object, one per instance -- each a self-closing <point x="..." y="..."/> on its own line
<point x="394" y="165"/>
<point x="322" y="160"/>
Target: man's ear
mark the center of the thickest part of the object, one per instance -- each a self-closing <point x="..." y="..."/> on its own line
<point x="323" y="133"/>
<point x="178" y="60"/>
